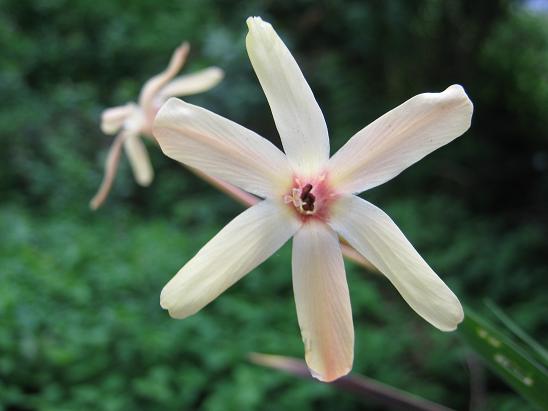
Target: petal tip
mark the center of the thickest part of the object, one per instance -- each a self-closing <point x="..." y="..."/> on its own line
<point x="218" y="72"/>
<point x="459" y="317"/>
<point x="94" y="204"/>
<point x="172" y="300"/>
<point x="164" y="300"/>
<point x="258" y="27"/>
<point x="252" y="21"/>
<point x="168" y="304"/>
<point x="113" y="119"/>
<point x="175" y="315"/>
<point x="145" y="181"/>
<point x="456" y="317"/>
<point x="106" y="128"/>
<point x="163" y="113"/>
<point x="179" y="55"/>
<point x="185" y="45"/>
<point x="329" y="377"/>
<point x="459" y="93"/>
<point x="456" y="88"/>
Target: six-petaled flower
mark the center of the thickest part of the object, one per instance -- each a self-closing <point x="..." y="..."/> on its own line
<point x="311" y="197"/>
<point x="133" y="120"/>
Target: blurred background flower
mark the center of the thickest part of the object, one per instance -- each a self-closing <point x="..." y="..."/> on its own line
<point x="80" y="321"/>
<point x="131" y="120"/>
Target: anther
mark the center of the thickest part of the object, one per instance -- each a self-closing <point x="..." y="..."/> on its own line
<point x="305" y="191"/>
<point x="307" y="198"/>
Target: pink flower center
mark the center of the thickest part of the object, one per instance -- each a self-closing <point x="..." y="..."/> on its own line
<point x="310" y="198"/>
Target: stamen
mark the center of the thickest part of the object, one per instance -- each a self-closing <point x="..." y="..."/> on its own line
<point x="305" y="191"/>
<point x="310" y="199"/>
<point x="307" y="198"/>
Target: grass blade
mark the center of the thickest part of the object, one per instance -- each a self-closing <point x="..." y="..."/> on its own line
<point x="512" y="363"/>
<point x="534" y="347"/>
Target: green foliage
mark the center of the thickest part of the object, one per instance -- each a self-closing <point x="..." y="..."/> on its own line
<point x="534" y="348"/>
<point x="515" y="364"/>
<point x="80" y="324"/>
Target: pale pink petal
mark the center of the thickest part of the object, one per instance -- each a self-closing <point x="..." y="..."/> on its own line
<point x="323" y="301"/>
<point x="221" y="148"/>
<point x="113" y="118"/>
<point x="111" y="167"/>
<point x="400" y="138"/>
<point x="139" y="160"/>
<point x="194" y="83"/>
<point x="237" y="249"/>
<point x="155" y="84"/>
<point x="298" y="117"/>
<point x="372" y="233"/>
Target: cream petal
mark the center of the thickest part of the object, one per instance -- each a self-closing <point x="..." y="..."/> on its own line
<point x="221" y="148"/>
<point x="372" y="233"/>
<point x="298" y="117"/>
<point x="112" y="119"/>
<point x="400" y="138"/>
<point x="323" y="301"/>
<point x="237" y="249"/>
<point x="153" y="86"/>
<point x="139" y="160"/>
<point x="194" y="83"/>
<point x="111" y="167"/>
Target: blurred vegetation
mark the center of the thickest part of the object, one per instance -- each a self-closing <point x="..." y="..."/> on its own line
<point x="80" y="323"/>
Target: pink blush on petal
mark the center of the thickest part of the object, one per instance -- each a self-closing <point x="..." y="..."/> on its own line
<point x="311" y="198"/>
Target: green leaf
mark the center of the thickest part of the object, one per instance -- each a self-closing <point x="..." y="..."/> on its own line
<point x="510" y="361"/>
<point x="534" y="348"/>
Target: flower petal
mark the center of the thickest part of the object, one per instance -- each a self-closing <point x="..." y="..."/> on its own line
<point x="370" y="231"/>
<point x="194" y="83"/>
<point x="221" y="148"/>
<point x="323" y="301"/>
<point x="298" y="117"/>
<point x="111" y="167"/>
<point x="113" y="118"/>
<point x="139" y="160"/>
<point x="237" y="249"/>
<point x="400" y="138"/>
<point x="155" y="84"/>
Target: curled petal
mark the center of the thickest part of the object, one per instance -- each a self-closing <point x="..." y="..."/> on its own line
<point x="298" y="116"/>
<point x="111" y="167"/>
<point x="242" y="245"/>
<point x="113" y="118"/>
<point x="139" y="160"/>
<point x="323" y="301"/>
<point x="400" y="138"/>
<point x="374" y="235"/>
<point x="194" y="83"/>
<point x="155" y="84"/>
<point x="221" y="148"/>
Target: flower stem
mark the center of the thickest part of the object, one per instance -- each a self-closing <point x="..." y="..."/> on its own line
<point x="366" y="388"/>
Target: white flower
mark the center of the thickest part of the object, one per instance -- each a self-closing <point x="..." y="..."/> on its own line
<point x="310" y="197"/>
<point x="133" y="120"/>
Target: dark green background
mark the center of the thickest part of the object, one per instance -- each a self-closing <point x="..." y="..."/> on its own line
<point x="80" y="322"/>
